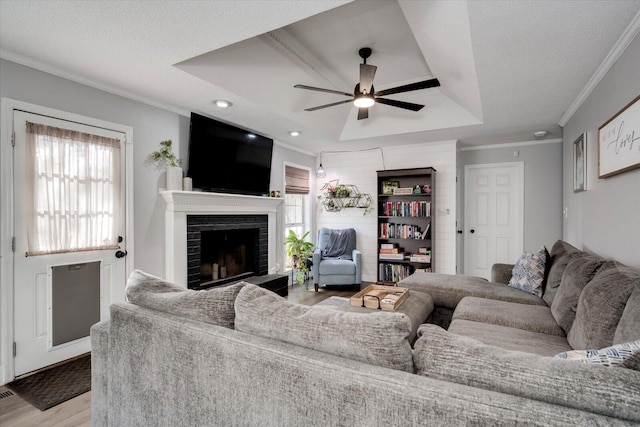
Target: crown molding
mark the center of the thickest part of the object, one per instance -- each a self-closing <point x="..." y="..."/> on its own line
<point x="49" y="69"/>
<point x="513" y="144"/>
<point x="621" y="45"/>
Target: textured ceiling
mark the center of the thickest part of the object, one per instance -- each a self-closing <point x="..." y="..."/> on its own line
<point x="507" y="69"/>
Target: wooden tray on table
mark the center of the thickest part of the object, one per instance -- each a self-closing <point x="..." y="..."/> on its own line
<point x="380" y="297"/>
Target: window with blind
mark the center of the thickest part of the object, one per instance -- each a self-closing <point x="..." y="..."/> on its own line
<point x="75" y="180"/>
<point x="296" y="201"/>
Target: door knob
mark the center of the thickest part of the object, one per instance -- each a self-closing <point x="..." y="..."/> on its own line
<point x="121" y="254"/>
<point x="472" y="231"/>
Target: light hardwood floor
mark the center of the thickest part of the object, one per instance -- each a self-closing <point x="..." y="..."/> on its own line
<point x="16" y="412"/>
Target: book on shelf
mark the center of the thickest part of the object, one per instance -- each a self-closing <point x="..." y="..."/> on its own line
<point x="392" y="257"/>
<point x="389" y="250"/>
<point x="420" y="258"/>
<point x="423" y="270"/>
<point x="388" y="245"/>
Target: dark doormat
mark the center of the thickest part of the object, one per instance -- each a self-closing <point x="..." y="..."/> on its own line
<point x="50" y="387"/>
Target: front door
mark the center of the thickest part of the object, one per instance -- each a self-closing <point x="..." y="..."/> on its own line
<point x="57" y="296"/>
<point x="494" y="216"/>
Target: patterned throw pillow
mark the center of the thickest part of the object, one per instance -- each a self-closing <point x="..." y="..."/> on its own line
<point x="608" y="356"/>
<point x="528" y="273"/>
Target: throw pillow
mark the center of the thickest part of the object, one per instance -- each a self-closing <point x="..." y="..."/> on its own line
<point x="378" y="338"/>
<point x="608" y="356"/>
<point x="214" y="305"/>
<point x="528" y="273"/>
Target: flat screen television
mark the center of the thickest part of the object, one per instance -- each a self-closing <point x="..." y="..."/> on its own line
<point x="227" y="159"/>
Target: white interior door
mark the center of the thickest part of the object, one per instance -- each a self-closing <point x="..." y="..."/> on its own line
<point x="494" y="216"/>
<point x="37" y="314"/>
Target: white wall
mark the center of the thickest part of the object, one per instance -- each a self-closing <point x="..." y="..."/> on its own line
<point x="359" y="168"/>
<point x="605" y="219"/>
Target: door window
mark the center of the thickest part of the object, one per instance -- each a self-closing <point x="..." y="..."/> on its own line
<point x="74" y="180"/>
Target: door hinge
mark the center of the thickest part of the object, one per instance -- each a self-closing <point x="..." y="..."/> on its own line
<point x="13" y="244"/>
<point x="13" y="138"/>
<point x="14" y="349"/>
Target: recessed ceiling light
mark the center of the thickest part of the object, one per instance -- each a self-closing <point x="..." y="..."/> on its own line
<point x="223" y="104"/>
<point x="294" y="132"/>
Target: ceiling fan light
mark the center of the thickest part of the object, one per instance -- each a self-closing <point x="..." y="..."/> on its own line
<point x="364" y="101"/>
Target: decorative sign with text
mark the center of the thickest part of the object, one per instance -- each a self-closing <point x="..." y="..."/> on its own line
<point x="619" y="141"/>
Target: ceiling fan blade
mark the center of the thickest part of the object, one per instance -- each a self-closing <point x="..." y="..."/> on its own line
<point x="363" y="113"/>
<point x="425" y="84"/>
<point x="328" y="105"/>
<point x="400" y="104"/>
<point x="319" y="89"/>
<point x="367" y="72"/>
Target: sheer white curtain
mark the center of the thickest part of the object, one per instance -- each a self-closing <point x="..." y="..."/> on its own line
<point x="75" y="179"/>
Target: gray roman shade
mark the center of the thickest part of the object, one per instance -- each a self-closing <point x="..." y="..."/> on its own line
<point x="296" y="180"/>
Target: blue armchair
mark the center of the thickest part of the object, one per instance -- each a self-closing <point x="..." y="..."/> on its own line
<point x="336" y="261"/>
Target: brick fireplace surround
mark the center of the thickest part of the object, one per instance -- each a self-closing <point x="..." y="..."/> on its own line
<point x="180" y="204"/>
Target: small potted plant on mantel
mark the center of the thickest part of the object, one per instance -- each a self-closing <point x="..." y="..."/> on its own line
<point x="165" y="159"/>
<point x="299" y="250"/>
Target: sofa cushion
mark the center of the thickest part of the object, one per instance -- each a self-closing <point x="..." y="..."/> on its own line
<point x="534" y="318"/>
<point x="446" y="356"/>
<point x="613" y="356"/>
<point x="337" y="266"/>
<point x="379" y="338"/>
<point x="448" y="289"/>
<point x="600" y="307"/>
<point x="629" y="325"/>
<point x="575" y="277"/>
<point x="511" y="338"/>
<point x="561" y="253"/>
<point x="529" y="272"/>
<point x="214" y="305"/>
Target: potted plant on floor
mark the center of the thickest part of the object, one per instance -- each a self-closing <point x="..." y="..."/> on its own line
<point x="299" y="250"/>
<point x="165" y="159"/>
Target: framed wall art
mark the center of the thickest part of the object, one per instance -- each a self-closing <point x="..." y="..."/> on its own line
<point x="580" y="163"/>
<point x="619" y="141"/>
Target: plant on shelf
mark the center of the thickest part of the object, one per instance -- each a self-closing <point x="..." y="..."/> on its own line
<point x="299" y="250"/>
<point x="335" y="197"/>
<point x="165" y="157"/>
<point x="342" y="191"/>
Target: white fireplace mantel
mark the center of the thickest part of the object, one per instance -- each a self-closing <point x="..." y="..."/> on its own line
<point x="180" y="204"/>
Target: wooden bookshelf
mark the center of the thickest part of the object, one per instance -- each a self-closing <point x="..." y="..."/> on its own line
<point x="406" y="222"/>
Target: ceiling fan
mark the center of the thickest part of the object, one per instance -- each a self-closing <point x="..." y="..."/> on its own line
<point x="364" y="94"/>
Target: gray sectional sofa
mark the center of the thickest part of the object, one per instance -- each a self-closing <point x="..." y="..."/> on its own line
<point x="244" y="356"/>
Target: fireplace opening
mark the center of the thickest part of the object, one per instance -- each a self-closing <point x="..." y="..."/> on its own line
<point x="227" y="254"/>
<point x="225" y="248"/>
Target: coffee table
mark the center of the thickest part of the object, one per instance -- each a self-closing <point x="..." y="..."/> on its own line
<point x="417" y="307"/>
